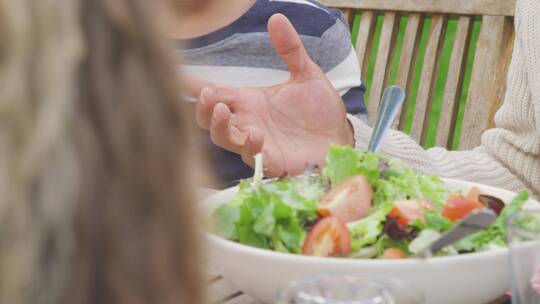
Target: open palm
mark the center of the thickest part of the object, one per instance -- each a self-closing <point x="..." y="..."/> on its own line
<point x="292" y="123"/>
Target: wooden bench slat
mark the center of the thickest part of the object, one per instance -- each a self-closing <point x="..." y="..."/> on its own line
<point x="453" y="7"/>
<point x="428" y="76"/>
<point x="243" y="299"/>
<point x="349" y="16"/>
<point x="363" y="42"/>
<point x="408" y="60"/>
<point x="486" y="59"/>
<point x="489" y="69"/>
<point x="382" y="63"/>
<point x="498" y="94"/>
<point x="221" y="291"/>
<point x="209" y="272"/>
<point x="454" y="82"/>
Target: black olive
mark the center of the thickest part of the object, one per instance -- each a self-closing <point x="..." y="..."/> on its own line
<point x="394" y="230"/>
<point x="492" y="203"/>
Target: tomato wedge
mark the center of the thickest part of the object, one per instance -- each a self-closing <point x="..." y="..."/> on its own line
<point x="458" y="207"/>
<point x="349" y="201"/>
<point x="329" y="237"/>
<point x="406" y="212"/>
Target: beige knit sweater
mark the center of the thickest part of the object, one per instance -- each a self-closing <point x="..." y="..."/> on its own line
<point x="509" y="156"/>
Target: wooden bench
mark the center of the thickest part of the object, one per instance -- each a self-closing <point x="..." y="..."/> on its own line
<point x="491" y="60"/>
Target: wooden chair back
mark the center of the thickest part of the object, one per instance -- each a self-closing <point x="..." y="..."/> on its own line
<point x="486" y="87"/>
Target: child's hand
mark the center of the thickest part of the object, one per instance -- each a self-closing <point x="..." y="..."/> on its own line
<point x="292" y="123"/>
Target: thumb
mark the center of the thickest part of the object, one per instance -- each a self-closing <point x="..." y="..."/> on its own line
<point x="289" y="47"/>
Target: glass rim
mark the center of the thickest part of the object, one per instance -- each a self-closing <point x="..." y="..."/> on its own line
<point x="513" y="231"/>
<point x="306" y="279"/>
<point x="382" y="283"/>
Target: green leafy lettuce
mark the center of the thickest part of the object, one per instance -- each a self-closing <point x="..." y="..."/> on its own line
<point x="344" y="162"/>
<point x="274" y="214"/>
<point x="493" y="236"/>
<point x="401" y="182"/>
<point x="391" y="180"/>
<point x="423" y="240"/>
<point x="270" y="216"/>
<point x="434" y="221"/>
<point x="366" y="231"/>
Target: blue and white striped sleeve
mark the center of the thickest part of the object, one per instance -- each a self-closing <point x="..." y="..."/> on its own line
<point x="337" y="57"/>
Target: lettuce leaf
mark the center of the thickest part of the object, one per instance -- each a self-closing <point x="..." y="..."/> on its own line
<point x="270" y="216"/>
<point x="514" y="206"/>
<point x="366" y="231"/>
<point x="341" y="163"/>
<point x="344" y="162"/>
<point x="224" y="220"/>
<point x="391" y="180"/>
<point x="437" y="222"/>
<point x="423" y="240"/>
<point x="528" y="222"/>
<point x="483" y="240"/>
<point x="493" y="236"/>
<point x="402" y="182"/>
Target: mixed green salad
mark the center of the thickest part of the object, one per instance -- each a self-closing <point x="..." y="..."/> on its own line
<point x="361" y="205"/>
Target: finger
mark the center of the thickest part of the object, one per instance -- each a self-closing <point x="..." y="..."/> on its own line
<point x="222" y="132"/>
<point x="208" y="99"/>
<point x="253" y="145"/>
<point x="289" y="47"/>
<point x="193" y="86"/>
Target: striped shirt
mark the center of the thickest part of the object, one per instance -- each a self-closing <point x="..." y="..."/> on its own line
<point x="241" y="54"/>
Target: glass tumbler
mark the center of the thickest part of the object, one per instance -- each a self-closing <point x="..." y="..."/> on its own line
<point x="348" y="289"/>
<point x="523" y="236"/>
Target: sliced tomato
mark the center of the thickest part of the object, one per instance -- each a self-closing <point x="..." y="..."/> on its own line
<point x="394" y="253"/>
<point x="406" y="212"/>
<point x="349" y="201"/>
<point x="458" y="207"/>
<point x="329" y="237"/>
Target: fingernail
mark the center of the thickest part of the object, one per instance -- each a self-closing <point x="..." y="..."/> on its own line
<point x="208" y="91"/>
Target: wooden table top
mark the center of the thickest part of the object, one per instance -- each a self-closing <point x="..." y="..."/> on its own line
<point x="221" y="291"/>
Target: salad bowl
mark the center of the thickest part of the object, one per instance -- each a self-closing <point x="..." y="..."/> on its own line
<point x="472" y="278"/>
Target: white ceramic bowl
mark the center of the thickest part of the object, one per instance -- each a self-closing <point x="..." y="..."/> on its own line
<point x="475" y="278"/>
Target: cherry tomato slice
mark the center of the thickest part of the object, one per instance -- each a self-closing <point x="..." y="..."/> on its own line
<point x="329" y="237"/>
<point x="406" y="212"/>
<point x="349" y="201"/>
<point x="393" y="253"/>
<point x="458" y="207"/>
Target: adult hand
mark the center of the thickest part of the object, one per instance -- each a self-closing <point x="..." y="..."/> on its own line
<point x="292" y="124"/>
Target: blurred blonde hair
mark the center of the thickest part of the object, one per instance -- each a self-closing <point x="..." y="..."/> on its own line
<point x="95" y="198"/>
<point x="40" y="48"/>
